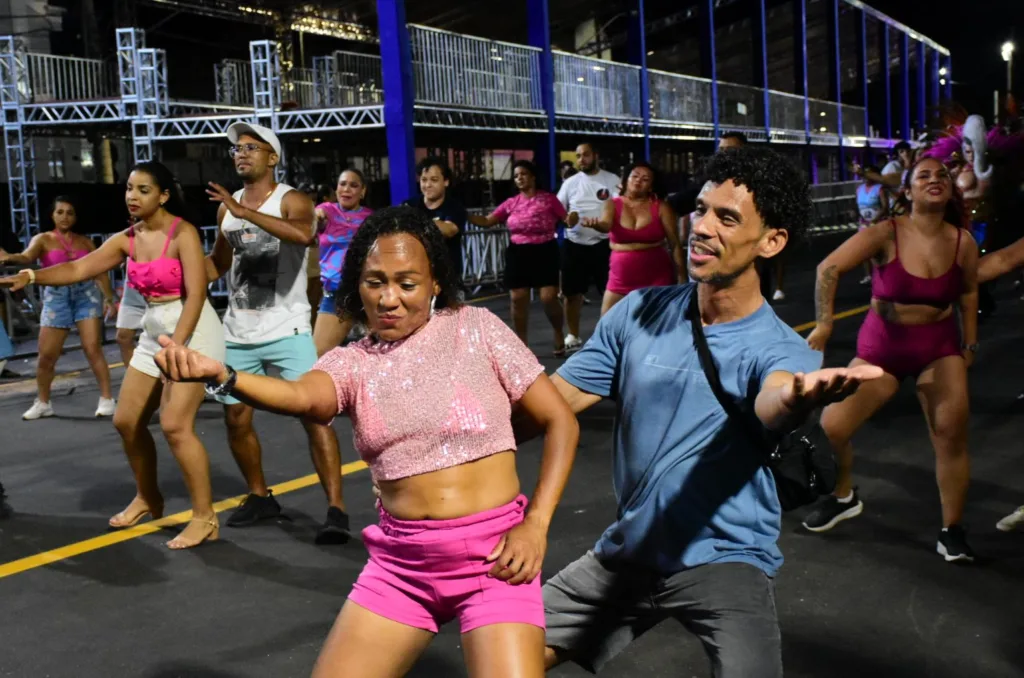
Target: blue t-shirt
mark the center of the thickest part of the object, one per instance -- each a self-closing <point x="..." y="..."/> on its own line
<point x="691" y="489"/>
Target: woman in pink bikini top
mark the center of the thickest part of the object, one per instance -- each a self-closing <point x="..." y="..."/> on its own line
<point x="166" y="264"/>
<point x="83" y="305"/>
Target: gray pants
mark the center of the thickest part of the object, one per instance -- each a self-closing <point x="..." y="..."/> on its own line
<point x="594" y="611"/>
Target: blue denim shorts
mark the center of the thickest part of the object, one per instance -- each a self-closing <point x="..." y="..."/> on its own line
<point x="328" y="304"/>
<point x="64" y="307"/>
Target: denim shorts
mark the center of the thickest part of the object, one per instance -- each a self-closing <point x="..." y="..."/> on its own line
<point x="328" y="305"/>
<point x="64" y="307"/>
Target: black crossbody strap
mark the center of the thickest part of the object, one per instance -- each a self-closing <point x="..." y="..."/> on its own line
<point x="707" y="363"/>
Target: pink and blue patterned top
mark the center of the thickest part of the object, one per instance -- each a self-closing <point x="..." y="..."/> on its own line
<point x="336" y="234"/>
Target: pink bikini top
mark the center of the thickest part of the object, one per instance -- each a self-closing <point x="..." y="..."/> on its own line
<point x="891" y="282"/>
<point x="161" y="277"/>
<point x="63" y="255"/>
<point x="653" y="232"/>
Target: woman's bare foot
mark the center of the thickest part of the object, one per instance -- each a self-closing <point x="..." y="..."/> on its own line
<point x="134" y="512"/>
<point x="195" y="533"/>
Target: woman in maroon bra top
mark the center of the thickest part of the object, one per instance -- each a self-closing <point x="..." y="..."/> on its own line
<point x="926" y="263"/>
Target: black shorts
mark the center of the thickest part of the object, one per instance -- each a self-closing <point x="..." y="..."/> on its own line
<point x="531" y="266"/>
<point x="583" y="266"/>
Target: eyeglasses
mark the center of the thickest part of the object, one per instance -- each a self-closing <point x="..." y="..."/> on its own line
<point x="246" y="149"/>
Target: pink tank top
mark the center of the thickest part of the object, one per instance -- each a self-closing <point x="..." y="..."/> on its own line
<point x="161" y="277"/>
<point x="439" y="398"/>
<point x="65" y="254"/>
<point x="891" y="282"/>
<point x="654" y="232"/>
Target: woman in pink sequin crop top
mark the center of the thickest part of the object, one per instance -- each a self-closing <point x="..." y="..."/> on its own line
<point x="177" y="305"/>
<point x="430" y="393"/>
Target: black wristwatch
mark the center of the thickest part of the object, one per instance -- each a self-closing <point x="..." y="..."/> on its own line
<point x="215" y="389"/>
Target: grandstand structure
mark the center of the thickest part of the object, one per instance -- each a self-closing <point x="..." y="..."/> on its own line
<point x="406" y="77"/>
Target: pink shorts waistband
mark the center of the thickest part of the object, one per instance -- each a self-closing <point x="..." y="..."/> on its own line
<point x="396" y="527"/>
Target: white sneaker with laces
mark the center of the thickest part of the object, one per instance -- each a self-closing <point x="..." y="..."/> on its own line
<point x="1012" y="521"/>
<point x="38" y="410"/>
<point x="572" y="343"/>
<point x="106" y="407"/>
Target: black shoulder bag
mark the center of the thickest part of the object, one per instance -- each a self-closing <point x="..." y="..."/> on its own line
<point x="802" y="461"/>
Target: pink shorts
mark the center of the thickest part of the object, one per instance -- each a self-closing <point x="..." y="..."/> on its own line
<point x="424" y="573"/>
<point x="634" y="269"/>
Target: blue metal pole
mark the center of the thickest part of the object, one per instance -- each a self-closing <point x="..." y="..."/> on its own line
<point x="638" y="57"/>
<point x="922" y="67"/>
<point x="949" y="77"/>
<point x="864" y="80"/>
<point x="711" y="68"/>
<point x="763" y="26"/>
<point x="887" y="78"/>
<point x="905" y="86"/>
<point x="933" y="78"/>
<point x="539" y="33"/>
<point x="399" y="97"/>
<point x="837" y="74"/>
<point x="803" y="68"/>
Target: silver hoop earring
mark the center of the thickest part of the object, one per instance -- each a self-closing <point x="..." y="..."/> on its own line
<point x="433" y="300"/>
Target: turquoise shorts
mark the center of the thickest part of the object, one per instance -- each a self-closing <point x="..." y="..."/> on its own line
<point x="293" y="356"/>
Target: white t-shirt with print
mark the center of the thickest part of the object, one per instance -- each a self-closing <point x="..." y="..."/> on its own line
<point x="586" y="195"/>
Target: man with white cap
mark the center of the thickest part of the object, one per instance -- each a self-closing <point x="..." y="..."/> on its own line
<point x="265" y="231"/>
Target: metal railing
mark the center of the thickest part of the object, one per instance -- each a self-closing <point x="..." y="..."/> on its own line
<point x="680" y="98"/>
<point x="359" y="80"/>
<point x="595" y="87"/>
<point x="66" y="78"/>
<point x="450" y="69"/>
<point x="786" y="111"/>
<point x="740" y="105"/>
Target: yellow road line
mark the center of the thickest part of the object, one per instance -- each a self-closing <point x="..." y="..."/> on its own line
<point x="837" y="316"/>
<point x="111" y="538"/>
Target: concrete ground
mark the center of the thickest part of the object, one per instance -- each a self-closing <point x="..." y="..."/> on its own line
<point x="871" y="598"/>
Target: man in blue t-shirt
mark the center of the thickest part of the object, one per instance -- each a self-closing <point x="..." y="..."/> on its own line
<point x="699" y="515"/>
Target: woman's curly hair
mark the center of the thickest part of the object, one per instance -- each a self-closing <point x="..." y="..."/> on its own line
<point x="781" y="195"/>
<point x="395" y="221"/>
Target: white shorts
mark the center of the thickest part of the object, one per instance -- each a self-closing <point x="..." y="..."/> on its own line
<point x="133" y="308"/>
<point x="208" y="337"/>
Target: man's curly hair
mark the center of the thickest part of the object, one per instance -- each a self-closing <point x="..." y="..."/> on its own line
<point x="395" y="221"/>
<point x="781" y="195"/>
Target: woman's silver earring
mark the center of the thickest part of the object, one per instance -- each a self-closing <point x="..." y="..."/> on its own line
<point x="433" y="300"/>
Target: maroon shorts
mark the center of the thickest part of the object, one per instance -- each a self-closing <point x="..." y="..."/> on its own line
<point x="905" y="350"/>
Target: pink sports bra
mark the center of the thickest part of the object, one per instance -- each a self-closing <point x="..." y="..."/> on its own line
<point x="653" y="232"/>
<point x="63" y="255"/>
<point x="161" y="277"/>
<point x="891" y="282"/>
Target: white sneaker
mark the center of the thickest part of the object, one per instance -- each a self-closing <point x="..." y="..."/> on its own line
<point x="106" y="407"/>
<point x="572" y="343"/>
<point x="779" y="296"/>
<point x="1012" y="521"/>
<point x="38" y="410"/>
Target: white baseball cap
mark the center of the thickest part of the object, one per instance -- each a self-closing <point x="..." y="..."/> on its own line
<point x="237" y="129"/>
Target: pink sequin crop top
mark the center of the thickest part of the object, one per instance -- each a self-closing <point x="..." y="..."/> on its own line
<point x="439" y="398"/>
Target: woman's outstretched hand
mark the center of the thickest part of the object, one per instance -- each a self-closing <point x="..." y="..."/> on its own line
<point x="180" y="363"/>
<point x="15" y="282"/>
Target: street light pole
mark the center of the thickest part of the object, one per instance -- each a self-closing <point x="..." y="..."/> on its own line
<point x="1007" y="54"/>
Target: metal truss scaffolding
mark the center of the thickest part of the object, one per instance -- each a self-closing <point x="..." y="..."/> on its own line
<point x="21" y="161"/>
<point x="266" y="89"/>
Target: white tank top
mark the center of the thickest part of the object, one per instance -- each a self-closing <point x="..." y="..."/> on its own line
<point x="267" y="282"/>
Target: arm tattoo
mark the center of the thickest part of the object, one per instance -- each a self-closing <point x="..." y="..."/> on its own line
<point x="825" y="293"/>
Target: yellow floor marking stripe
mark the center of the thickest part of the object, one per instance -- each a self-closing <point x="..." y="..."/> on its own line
<point x="837" y="316"/>
<point x="116" y="537"/>
<point x="111" y="538"/>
